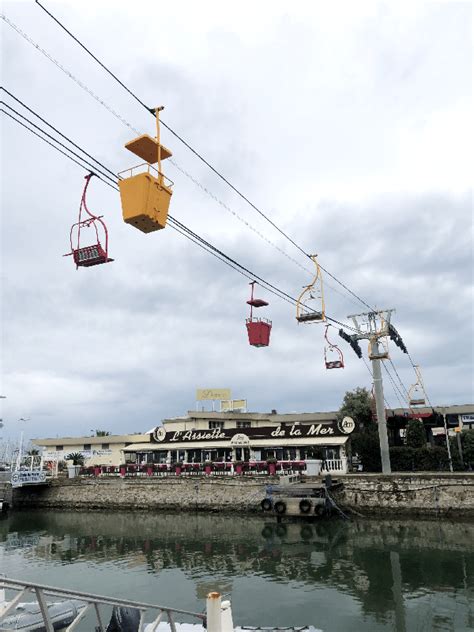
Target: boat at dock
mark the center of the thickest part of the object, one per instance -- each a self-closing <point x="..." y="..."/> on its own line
<point x="42" y="615"/>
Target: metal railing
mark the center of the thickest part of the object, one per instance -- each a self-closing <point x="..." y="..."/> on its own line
<point x="91" y="603"/>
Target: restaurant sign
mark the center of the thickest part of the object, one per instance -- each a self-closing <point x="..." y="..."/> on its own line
<point x="28" y="477"/>
<point x="235" y="435"/>
<point x="203" y="394"/>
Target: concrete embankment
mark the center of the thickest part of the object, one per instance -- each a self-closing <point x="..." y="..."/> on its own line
<point x="429" y="494"/>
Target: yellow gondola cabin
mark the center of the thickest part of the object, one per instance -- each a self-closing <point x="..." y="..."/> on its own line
<point x="145" y="196"/>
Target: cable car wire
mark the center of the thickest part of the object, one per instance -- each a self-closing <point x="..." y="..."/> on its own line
<point x="58" y="142"/>
<point x="189" y="234"/>
<point x="176" y="224"/>
<point x="54" y="146"/>
<point x="200" y="156"/>
<point x="125" y="122"/>
<point x="395" y="388"/>
<point x="399" y="378"/>
<point x="55" y="129"/>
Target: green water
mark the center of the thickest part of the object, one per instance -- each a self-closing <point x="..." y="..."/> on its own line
<point x="360" y="575"/>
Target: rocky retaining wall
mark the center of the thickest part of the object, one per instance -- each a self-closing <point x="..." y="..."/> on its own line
<point x="414" y="494"/>
<point x="403" y="494"/>
<point x="183" y="494"/>
<point x="5" y="492"/>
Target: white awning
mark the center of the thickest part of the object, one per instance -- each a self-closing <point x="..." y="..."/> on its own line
<point x="140" y="447"/>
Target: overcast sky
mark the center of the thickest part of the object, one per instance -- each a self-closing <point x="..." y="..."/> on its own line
<point x="349" y="125"/>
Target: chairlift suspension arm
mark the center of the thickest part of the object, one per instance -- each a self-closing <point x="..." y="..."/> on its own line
<point x="158" y="142"/>
<point x="252" y="284"/>
<point x="309" y="287"/>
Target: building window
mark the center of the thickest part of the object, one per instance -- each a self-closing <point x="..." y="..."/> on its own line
<point x="59" y="448"/>
<point x="216" y="424"/>
<point x="87" y="446"/>
<point x="244" y="424"/>
<point x="105" y="446"/>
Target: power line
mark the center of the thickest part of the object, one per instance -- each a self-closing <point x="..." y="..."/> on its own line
<point x="198" y="154"/>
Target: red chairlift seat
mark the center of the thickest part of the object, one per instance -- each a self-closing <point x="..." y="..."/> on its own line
<point x="417" y="402"/>
<point x="258" y="329"/>
<point x="334" y="364"/>
<point x="338" y="361"/>
<point x="90" y="256"/>
<point x="95" y="254"/>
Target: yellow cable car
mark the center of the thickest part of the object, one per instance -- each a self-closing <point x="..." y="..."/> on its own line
<point x="145" y="196"/>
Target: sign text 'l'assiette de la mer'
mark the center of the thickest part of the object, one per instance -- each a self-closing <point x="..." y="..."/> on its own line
<point x="282" y="431"/>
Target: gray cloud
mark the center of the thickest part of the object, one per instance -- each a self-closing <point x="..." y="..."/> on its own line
<point x="349" y="133"/>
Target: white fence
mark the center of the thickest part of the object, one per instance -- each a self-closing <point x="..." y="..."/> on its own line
<point x="335" y="466"/>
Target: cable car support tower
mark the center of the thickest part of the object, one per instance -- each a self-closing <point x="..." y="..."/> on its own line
<point x="375" y="327"/>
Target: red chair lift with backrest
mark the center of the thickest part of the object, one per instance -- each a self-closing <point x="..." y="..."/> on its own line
<point x="333" y="357"/>
<point x="95" y="254"/>
<point x="258" y="329"/>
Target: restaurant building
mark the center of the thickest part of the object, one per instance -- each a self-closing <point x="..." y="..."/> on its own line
<point x="240" y="436"/>
<point x="107" y="450"/>
<point x="235" y="436"/>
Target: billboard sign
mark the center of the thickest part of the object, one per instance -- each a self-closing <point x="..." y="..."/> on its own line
<point x="203" y="394"/>
<point x="228" y="405"/>
<point x="283" y="431"/>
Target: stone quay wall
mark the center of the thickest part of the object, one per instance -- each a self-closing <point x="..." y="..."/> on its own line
<point x="366" y="494"/>
<point x="197" y="493"/>
<point x="415" y="494"/>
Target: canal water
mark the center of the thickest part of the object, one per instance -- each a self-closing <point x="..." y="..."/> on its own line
<point x="360" y="575"/>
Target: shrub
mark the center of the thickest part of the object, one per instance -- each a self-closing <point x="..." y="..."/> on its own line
<point x="368" y="449"/>
<point x="432" y="459"/>
<point x="416" y="435"/>
<point x="402" y="459"/>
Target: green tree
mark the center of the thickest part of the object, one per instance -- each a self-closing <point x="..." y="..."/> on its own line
<point x="358" y="405"/>
<point x="415" y="434"/>
<point x="467" y="439"/>
<point x="76" y="457"/>
<point x="102" y="433"/>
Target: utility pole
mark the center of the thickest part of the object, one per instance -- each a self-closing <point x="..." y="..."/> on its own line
<point x="458" y="434"/>
<point x="448" y="446"/>
<point x="374" y="327"/>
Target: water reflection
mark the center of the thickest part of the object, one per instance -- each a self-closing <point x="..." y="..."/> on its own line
<point x="395" y="572"/>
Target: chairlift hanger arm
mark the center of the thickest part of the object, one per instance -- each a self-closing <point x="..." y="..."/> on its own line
<point x="317" y="283"/>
